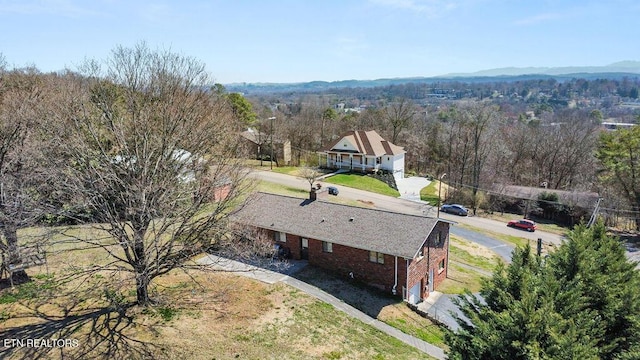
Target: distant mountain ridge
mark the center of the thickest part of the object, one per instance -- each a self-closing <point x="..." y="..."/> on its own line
<point x="618" y="67"/>
<point x="616" y="70"/>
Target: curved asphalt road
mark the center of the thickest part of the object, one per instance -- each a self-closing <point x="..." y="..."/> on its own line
<point x="501" y="248"/>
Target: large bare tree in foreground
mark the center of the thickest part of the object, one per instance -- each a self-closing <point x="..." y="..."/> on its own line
<point x="154" y="158"/>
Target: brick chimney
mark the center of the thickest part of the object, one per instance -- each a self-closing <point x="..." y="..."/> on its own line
<point x="313" y="195"/>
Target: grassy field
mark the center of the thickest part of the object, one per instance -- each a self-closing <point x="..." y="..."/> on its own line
<point x="469" y="263"/>
<point x="196" y="315"/>
<point x="275" y="188"/>
<point x="362" y="182"/>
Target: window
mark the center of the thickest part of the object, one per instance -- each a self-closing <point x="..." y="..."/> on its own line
<point x="327" y="247"/>
<point x="279" y="236"/>
<point x="441" y="265"/>
<point x="376" y="257"/>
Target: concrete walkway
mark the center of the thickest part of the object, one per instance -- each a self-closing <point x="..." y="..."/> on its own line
<point x="439" y="306"/>
<point x="271" y="277"/>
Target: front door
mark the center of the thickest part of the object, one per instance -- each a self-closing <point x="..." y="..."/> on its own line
<point x="304" y="248"/>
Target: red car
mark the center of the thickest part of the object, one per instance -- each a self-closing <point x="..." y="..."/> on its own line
<point x="523" y="224"/>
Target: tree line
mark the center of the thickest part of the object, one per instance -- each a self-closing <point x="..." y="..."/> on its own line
<point x="525" y="88"/>
<point x="479" y="143"/>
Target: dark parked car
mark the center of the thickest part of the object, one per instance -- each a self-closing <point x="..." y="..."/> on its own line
<point x="523" y="224"/>
<point x="333" y="190"/>
<point x="455" y="209"/>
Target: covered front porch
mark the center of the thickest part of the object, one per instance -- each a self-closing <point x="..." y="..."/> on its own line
<point x="353" y="162"/>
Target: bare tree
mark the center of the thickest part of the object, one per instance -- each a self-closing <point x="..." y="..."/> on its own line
<point x="399" y="115"/>
<point x="482" y="119"/>
<point x="310" y="175"/>
<point x="154" y="158"/>
<point x="26" y="175"/>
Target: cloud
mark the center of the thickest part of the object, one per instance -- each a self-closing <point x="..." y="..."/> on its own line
<point x="64" y="8"/>
<point x="539" y="18"/>
<point x="430" y="8"/>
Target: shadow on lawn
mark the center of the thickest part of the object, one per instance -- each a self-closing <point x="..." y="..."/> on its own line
<point x="362" y="297"/>
<point x="97" y="333"/>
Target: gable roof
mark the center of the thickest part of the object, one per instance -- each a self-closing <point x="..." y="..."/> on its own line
<point x="367" y="143"/>
<point x="367" y="229"/>
<point x="581" y="199"/>
<point x="260" y="138"/>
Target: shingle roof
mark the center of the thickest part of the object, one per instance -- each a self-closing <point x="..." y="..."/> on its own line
<point x="368" y="229"/>
<point x="582" y="199"/>
<point x="369" y="143"/>
<point x="257" y="137"/>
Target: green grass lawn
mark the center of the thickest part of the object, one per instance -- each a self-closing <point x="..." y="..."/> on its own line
<point x="464" y="256"/>
<point x="275" y="188"/>
<point x="362" y="182"/>
<point x="288" y="170"/>
<point x="429" y="193"/>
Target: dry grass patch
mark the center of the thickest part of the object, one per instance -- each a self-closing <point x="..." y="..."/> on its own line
<point x="460" y="278"/>
<point x="376" y="304"/>
<point x="196" y="315"/>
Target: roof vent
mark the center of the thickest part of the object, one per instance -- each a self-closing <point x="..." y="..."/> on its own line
<point x="351" y="219"/>
<point x="322" y="220"/>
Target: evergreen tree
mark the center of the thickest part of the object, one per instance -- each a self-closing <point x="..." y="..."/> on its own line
<point x="595" y="264"/>
<point x="581" y="302"/>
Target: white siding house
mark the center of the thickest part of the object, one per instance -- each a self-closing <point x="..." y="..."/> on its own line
<point x="365" y="151"/>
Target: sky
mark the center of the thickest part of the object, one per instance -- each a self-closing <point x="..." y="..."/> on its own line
<point x="288" y="41"/>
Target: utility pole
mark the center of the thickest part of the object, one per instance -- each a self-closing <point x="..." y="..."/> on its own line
<point x="539" y="247"/>
<point x="439" y="190"/>
<point x="271" y="159"/>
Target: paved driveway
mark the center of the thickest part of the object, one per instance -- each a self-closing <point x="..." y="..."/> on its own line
<point x="410" y="187"/>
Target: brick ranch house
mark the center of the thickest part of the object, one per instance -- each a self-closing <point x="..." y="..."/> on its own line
<point x="364" y="151"/>
<point x="405" y="255"/>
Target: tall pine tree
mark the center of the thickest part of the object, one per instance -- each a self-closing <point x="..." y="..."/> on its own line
<point x="581" y="302"/>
